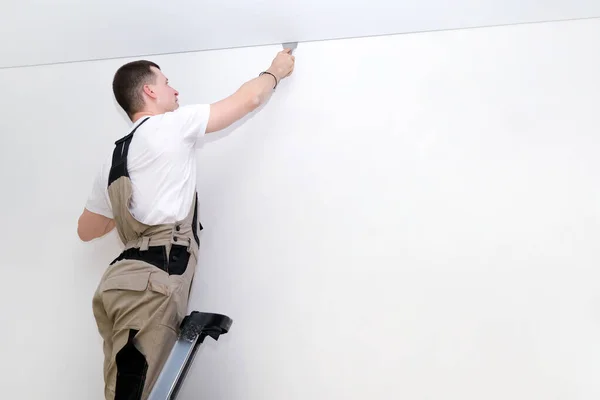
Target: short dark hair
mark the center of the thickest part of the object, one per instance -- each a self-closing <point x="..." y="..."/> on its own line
<point x="128" y="82"/>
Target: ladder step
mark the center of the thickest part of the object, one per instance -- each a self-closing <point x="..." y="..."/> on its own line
<point x="194" y="329"/>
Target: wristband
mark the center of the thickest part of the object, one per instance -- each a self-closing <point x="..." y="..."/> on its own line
<point x="268" y="73"/>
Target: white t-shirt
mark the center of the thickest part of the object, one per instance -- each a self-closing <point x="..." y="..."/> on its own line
<point x="161" y="164"/>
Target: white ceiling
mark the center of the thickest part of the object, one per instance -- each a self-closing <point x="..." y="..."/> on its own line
<point x="41" y="31"/>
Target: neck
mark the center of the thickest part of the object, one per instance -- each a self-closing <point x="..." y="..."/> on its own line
<point x="141" y="114"/>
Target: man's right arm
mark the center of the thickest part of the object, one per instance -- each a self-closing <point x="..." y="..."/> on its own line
<point x="91" y="225"/>
<point x="96" y="220"/>
<point x="251" y="94"/>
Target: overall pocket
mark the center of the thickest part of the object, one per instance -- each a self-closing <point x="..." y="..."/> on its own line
<point x="133" y="281"/>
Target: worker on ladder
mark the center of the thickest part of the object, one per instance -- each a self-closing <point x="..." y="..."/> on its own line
<point x="147" y="190"/>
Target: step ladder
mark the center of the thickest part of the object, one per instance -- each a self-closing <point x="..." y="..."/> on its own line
<point x="194" y="329"/>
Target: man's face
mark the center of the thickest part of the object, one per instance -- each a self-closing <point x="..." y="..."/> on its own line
<point x="165" y="95"/>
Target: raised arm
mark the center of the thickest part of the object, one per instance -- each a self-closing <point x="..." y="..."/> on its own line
<point x="251" y="94"/>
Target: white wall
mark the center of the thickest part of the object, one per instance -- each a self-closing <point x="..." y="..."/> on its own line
<point x="410" y="217"/>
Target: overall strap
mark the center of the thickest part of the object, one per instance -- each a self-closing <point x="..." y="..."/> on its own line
<point x="119" y="159"/>
<point x="196" y="224"/>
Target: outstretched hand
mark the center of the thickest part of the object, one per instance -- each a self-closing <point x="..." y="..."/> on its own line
<point x="283" y="64"/>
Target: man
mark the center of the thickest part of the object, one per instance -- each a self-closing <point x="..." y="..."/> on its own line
<point x="147" y="190"/>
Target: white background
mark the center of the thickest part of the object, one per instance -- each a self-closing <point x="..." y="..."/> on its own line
<point x="40" y="31"/>
<point x="410" y="217"/>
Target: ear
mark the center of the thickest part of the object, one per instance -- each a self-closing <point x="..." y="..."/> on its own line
<point x="149" y="92"/>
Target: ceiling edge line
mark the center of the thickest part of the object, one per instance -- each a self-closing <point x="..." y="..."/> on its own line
<point x="297" y="41"/>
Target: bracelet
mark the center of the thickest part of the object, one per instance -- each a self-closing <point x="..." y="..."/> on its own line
<point x="268" y="73"/>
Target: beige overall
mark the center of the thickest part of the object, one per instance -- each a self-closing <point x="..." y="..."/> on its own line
<point x="143" y="296"/>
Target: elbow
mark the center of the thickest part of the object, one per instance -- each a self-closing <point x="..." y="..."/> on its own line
<point x="233" y="108"/>
<point x="82" y="233"/>
<point x="251" y="96"/>
<point x="254" y="99"/>
<point x="254" y="103"/>
<point x="91" y="226"/>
